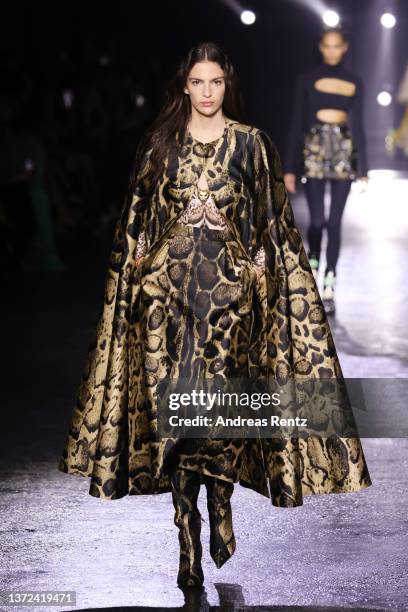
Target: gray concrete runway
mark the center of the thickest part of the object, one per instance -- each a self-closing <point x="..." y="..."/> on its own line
<point x="337" y="552"/>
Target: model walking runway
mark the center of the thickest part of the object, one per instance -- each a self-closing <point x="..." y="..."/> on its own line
<point x="333" y="148"/>
<point x="208" y="280"/>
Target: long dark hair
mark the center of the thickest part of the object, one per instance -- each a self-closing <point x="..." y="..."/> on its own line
<point x="168" y="130"/>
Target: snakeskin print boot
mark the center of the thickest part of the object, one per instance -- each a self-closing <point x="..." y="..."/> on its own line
<point x="222" y="539"/>
<point x="185" y="490"/>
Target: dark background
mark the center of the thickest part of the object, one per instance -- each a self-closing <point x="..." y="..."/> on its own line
<point x="87" y="150"/>
<point x="58" y="46"/>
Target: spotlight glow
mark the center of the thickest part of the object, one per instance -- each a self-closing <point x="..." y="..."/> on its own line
<point x="384" y="98"/>
<point x="248" y="17"/>
<point x="331" y="18"/>
<point x="388" y="20"/>
<point x="140" y="100"/>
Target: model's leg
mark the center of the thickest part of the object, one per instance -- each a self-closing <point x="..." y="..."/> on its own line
<point x="185" y="489"/>
<point x="222" y="539"/>
<point x="340" y="190"/>
<point x="314" y="190"/>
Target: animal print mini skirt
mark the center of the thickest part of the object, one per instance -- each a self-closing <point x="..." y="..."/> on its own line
<point x="196" y="315"/>
<point x="329" y="152"/>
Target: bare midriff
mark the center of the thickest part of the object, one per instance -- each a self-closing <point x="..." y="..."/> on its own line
<point x="332" y="115"/>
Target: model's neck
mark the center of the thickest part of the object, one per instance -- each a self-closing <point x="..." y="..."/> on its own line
<point x="337" y="66"/>
<point x="204" y="125"/>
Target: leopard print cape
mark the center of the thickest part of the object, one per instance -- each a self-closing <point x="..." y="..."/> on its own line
<point x="112" y="435"/>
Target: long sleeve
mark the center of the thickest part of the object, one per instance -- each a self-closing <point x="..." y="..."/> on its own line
<point x="358" y="130"/>
<point x="297" y="127"/>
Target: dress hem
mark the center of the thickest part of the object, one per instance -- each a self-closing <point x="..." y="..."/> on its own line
<point x="308" y="493"/>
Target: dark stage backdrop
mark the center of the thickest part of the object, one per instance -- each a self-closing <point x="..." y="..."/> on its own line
<point x="56" y="47"/>
<point x="62" y="42"/>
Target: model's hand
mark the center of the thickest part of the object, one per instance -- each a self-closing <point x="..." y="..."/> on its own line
<point x="290" y="182"/>
<point x="361" y="184"/>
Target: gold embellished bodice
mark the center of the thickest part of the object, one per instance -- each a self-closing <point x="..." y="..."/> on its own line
<point x="202" y="211"/>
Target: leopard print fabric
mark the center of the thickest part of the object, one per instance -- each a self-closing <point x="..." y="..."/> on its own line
<point x="112" y="436"/>
<point x="195" y="312"/>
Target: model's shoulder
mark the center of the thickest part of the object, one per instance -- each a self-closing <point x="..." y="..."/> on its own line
<point x="260" y="146"/>
<point x="346" y="74"/>
<point x="263" y="138"/>
<point x="257" y="140"/>
<point x="243" y="128"/>
<point x="253" y="132"/>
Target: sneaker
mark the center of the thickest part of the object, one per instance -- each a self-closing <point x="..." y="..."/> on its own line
<point x="328" y="291"/>
<point x="314" y="264"/>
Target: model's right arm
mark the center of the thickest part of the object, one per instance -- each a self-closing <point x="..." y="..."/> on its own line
<point x="296" y="130"/>
<point x="358" y="130"/>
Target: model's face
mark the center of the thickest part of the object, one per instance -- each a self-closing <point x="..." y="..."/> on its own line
<point x="206" y="87"/>
<point x="333" y="48"/>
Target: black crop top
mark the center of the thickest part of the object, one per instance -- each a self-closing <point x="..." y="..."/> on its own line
<point x="309" y="100"/>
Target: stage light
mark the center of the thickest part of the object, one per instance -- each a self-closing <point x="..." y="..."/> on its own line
<point x="140" y="100"/>
<point x="248" y="17"/>
<point x="388" y="20"/>
<point x="68" y="98"/>
<point x="384" y="98"/>
<point x="331" y="18"/>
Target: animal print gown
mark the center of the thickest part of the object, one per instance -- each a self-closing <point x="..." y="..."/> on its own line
<point x="198" y="269"/>
<point x="194" y="306"/>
